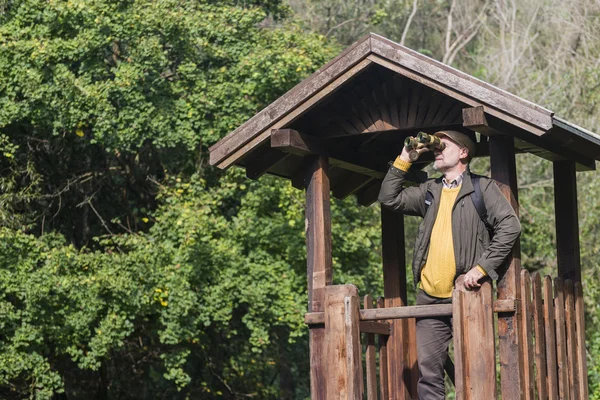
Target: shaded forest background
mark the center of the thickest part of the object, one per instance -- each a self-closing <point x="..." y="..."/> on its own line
<point x="129" y="268"/>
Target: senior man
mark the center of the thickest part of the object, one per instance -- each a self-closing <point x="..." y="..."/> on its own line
<point x="468" y="228"/>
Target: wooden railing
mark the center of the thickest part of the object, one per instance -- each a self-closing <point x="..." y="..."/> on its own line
<point x="553" y="336"/>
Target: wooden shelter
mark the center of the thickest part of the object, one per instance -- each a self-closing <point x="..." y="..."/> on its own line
<point x="335" y="132"/>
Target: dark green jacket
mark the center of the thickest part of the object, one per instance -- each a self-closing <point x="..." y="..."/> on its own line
<point x="472" y="244"/>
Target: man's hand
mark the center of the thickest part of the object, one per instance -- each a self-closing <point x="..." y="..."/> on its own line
<point x="472" y="278"/>
<point x="405" y="157"/>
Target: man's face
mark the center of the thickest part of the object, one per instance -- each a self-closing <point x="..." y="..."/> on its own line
<point x="450" y="157"/>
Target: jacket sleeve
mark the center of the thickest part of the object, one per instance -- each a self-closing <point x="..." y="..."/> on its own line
<point x="405" y="200"/>
<point x="507" y="229"/>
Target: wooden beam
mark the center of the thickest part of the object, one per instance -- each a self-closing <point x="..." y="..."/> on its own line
<point x="404" y="312"/>
<point x="504" y="171"/>
<point x="401" y="345"/>
<point x="291" y="141"/>
<point x="368" y="195"/>
<point x="349" y="183"/>
<point x="319" y="264"/>
<point x="566" y="216"/>
<point x="474" y="119"/>
<point x="263" y="162"/>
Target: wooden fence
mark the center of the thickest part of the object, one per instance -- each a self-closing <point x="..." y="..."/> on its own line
<point x="553" y="336"/>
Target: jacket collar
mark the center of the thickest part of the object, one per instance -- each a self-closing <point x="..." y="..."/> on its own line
<point x="465" y="189"/>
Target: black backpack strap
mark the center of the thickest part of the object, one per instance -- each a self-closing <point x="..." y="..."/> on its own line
<point x="477" y="197"/>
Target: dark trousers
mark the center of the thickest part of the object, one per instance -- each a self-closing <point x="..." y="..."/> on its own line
<point x="433" y="338"/>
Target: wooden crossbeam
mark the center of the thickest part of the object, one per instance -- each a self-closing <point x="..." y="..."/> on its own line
<point x="477" y="119"/>
<point x="294" y="142"/>
<point x="403" y="312"/>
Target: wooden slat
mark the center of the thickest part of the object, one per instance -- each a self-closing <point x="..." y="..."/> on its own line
<point x="424" y="104"/>
<point x="351" y="95"/>
<point x="561" y="339"/>
<point x="436" y="99"/>
<point x="478" y="370"/>
<point x="370" y="361"/>
<point x="346" y="110"/>
<point x="580" y="334"/>
<point x="402" y="88"/>
<point x="388" y="87"/>
<point x="380" y="100"/>
<point x="566" y="217"/>
<point x="319" y="262"/>
<point x="571" y="340"/>
<point x="504" y="171"/>
<point x="443" y="110"/>
<point x="383" y="360"/>
<point x="368" y="98"/>
<point x="527" y="335"/>
<point x="342" y="362"/>
<point x="459" y="343"/>
<point x="413" y="106"/>
<point x="552" y="375"/>
<point x="540" y="338"/>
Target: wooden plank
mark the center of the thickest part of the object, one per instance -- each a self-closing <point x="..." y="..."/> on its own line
<point x="570" y="323"/>
<point x="370" y="358"/>
<point x="389" y="88"/>
<point x="383" y="361"/>
<point x="408" y="312"/>
<point x="478" y="350"/>
<point x="362" y="109"/>
<point x="306" y="89"/>
<point x="366" y="96"/>
<point x="291" y="141"/>
<point x="343" y="366"/>
<point x="580" y="335"/>
<point x="504" y="171"/>
<point x="413" y="106"/>
<point x="319" y="263"/>
<point x="527" y="335"/>
<point x="380" y="100"/>
<point x="264" y="162"/>
<point x="377" y="328"/>
<point x="566" y="217"/>
<point x="424" y="104"/>
<point x="348" y="111"/>
<point x="550" y="331"/>
<point x="459" y="344"/>
<point x="561" y="339"/>
<point x="400" y="365"/>
<point x="474" y="118"/>
<point x="436" y="99"/>
<point x="431" y="70"/>
<point x="540" y="338"/>
<point x="225" y="155"/>
<point x="402" y="88"/>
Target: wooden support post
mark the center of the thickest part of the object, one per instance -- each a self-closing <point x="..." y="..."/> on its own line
<point x="403" y="370"/>
<point x="567" y="225"/>
<point x="342" y="343"/>
<point x="474" y="347"/>
<point x="504" y="171"/>
<point x="318" y="248"/>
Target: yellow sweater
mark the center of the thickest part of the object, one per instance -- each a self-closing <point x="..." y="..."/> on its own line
<point x="437" y="276"/>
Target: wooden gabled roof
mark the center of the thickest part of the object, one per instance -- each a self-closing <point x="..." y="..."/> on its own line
<point x="362" y="104"/>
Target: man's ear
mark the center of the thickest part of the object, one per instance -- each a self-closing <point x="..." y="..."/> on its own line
<point x="464" y="153"/>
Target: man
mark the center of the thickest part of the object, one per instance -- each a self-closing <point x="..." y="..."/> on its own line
<point x="452" y="240"/>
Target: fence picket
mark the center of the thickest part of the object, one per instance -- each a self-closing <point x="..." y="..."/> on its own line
<point x="370" y="357"/>
<point x="383" y="361"/>
<point x="526" y="335"/>
<point x="561" y="340"/>
<point x="550" y="339"/>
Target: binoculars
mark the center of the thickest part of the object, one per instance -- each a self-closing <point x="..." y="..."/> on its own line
<point x="422" y="140"/>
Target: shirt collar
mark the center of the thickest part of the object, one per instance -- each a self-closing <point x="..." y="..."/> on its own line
<point x="455" y="183"/>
